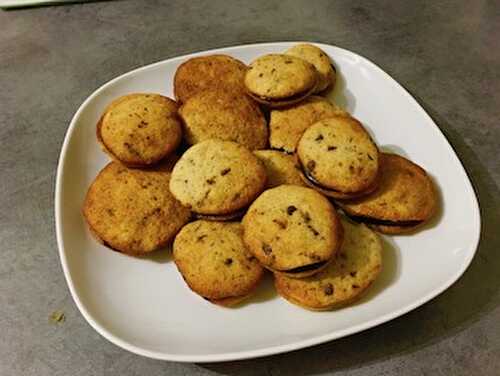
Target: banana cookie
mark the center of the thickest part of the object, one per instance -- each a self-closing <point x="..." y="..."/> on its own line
<point x="278" y="80"/>
<point x="292" y="230"/>
<point x="404" y="199"/>
<point x="224" y="115"/>
<point x="317" y="57"/>
<point x="287" y="125"/>
<point x="215" y="263"/>
<point x="207" y="73"/>
<point x="217" y="179"/>
<point x="338" y="157"/>
<point x="131" y="210"/>
<point x="280" y="167"/>
<point x="140" y="129"/>
<point x="355" y="268"/>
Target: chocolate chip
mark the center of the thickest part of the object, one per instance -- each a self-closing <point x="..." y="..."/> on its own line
<point x="306" y="216"/>
<point x="266" y="248"/>
<point x="370" y="157"/>
<point x="228" y="261"/>
<point x="313" y="230"/>
<point x="311" y="165"/>
<point x="261" y="74"/>
<point x="211" y="181"/>
<point x="288" y="61"/>
<point x="291" y="209"/>
<point x="280" y="223"/>
<point x="201" y="237"/>
<point x="331" y="148"/>
<point x="353" y="274"/>
<point x="328" y="289"/>
<point x="319" y="138"/>
<point x="225" y="171"/>
<point x="355" y="286"/>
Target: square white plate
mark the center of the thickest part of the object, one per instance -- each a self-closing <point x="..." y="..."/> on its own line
<point x="144" y="306"/>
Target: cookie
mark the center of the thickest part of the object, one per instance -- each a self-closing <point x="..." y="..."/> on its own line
<point x="217" y="178"/>
<point x="132" y="211"/>
<point x="207" y="73"/>
<point x="278" y="80"/>
<point x="280" y="168"/>
<point x="140" y="129"/>
<point x="215" y="263"/>
<point x="231" y="301"/>
<point x="338" y="156"/>
<point x="317" y="57"/>
<point x="224" y="115"/>
<point x="404" y="199"/>
<point x="293" y="230"/>
<point x="355" y="268"/>
<point x="287" y="125"/>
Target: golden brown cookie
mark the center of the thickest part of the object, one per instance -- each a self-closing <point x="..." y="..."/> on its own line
<point x="317" y="57"/>
<point x="278" y="80"/>
<point x="292" y="229"/>
<point x="217" y="178"/>
<point x="207" y="73"/>
<point x="404" y="199"/>
<point x="355" y="268"/>
<point x="338" y="156"/>
<point x="140" y="129"/>
<point x="287" y="124"/>
<point x="280" y="167"/>
<point x="215" y="263"/>
<point x="224" y="115"/>
<point x="132" y="211"/>
<point x="231" y="301"/>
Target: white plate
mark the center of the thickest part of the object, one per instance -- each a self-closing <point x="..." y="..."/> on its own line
<point x="145" y="307"/>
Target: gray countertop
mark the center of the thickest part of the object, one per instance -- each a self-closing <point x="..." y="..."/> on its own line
<point x="51" y="58"/>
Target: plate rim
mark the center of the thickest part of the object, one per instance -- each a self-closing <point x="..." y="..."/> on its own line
<point x="272" y="350"/>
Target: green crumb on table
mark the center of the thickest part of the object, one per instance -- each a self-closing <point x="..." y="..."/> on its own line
<point x="57" y="317"/>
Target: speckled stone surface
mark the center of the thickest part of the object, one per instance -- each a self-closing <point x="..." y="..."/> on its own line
<point x="445" y="53"/>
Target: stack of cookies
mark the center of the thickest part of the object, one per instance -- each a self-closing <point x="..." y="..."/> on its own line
<point x="249" y="169"/>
